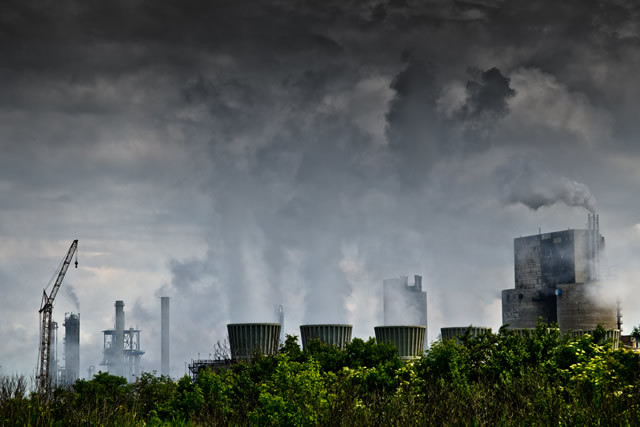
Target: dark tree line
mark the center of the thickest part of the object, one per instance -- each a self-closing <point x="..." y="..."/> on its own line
<point x="538" y="377"/>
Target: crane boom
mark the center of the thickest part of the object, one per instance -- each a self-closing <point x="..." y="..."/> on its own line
<point x="46" y="312"/>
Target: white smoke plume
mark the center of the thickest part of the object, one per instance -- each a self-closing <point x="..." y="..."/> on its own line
<point x="70" y="293"/>
<point x="525" y="180"/>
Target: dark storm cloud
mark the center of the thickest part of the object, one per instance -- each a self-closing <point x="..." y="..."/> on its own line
<point x="247" y="154"/>
<point x="487" y="94"/>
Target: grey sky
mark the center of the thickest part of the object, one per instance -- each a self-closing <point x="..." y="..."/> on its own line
<point x="237" y="155"/>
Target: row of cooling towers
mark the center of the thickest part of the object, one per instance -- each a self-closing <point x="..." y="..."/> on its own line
<point x="245" y="338"/>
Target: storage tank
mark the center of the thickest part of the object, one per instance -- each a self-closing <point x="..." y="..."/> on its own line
<point x="245" y="338"/>
<point x="457" y="332"/>
<point x="337" y="335"/>
<point x="581" y="308"/>
<point x="409" y="340"/>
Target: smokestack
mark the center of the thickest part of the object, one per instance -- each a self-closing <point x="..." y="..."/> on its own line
<point x="164" y="336"/>
<point x="118" y="346"/>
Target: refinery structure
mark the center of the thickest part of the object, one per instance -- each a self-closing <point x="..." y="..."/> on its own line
<point x="121" y="347"/>
<point x="556" y="279"/>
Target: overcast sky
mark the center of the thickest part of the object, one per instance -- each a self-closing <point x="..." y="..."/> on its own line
<point x="237" y="155"/>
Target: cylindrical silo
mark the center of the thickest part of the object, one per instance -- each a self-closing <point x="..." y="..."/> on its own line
<point x="409" y="340"/>
<point x="580" y="307"/>
<point x="458" y="332"/>
<point x="245" y="338"/>
<point x="332" y="334"/>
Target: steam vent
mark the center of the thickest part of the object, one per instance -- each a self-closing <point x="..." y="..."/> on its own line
<point x="409" y="340"/>
<point x="556" y="279"/>
<point x="336" y="335"/>
<point x="245" y="338"/>
<point x="459" y="332"/>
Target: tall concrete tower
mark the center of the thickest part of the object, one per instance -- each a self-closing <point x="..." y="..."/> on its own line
<point x="71" y="347"/>
<point x="164" y="336"/>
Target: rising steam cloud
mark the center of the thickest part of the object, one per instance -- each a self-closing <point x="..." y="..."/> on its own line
<point x="525" y="181"/>
<point x="70" y="293"/>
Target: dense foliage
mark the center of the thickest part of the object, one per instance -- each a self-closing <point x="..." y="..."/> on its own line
<point x="539" y="377"/>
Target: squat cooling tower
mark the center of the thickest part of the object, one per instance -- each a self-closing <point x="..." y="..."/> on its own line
<point x="409" y="340"/>
<point x="459" y="332"/>
<point x="245" y="338"/>
<point x="337" y="335"/>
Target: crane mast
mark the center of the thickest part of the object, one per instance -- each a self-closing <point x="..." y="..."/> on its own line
<point x="46" y="312"/>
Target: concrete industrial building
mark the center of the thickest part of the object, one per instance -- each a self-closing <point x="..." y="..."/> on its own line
<point x="556" y="279"/>
<point x="404" y="304"/>
<point x="121" y="348"/>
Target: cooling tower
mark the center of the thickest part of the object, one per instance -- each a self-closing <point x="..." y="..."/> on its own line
<point x="409" y="340"/>
<point x="580" y="307"/>
<point x="337" y="335"/>
<point x="71" y="348"/>
<point x="245" y="338"/>
<point x="459" y="332"/>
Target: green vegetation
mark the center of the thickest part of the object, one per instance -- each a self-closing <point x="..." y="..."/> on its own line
<point x="537" y="377"/>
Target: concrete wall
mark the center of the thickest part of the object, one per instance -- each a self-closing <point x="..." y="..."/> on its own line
<point x="526" y="261"/>
<point x="409" y="340"/>
<point x="337" y="335"/>
<point x="581" y="308"/>
<point x="522" y="307"/>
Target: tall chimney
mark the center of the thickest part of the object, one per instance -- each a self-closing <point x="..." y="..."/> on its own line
<point x="118" y="350"/>
<point x="164" y="336"/>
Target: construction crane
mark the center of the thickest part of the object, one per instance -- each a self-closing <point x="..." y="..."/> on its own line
<point x="46" y="311"/>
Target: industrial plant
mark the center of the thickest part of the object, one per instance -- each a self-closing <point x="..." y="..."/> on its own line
<point x="121" y="347"/>
<point x="556" y="275"/>
<point x="557" y="279"/>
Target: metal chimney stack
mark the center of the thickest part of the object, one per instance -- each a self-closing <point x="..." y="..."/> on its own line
<point x="164" y="336"/>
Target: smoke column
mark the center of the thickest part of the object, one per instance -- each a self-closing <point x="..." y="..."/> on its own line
<point x="70" y="292"/>
<point x="525" y="181"/>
